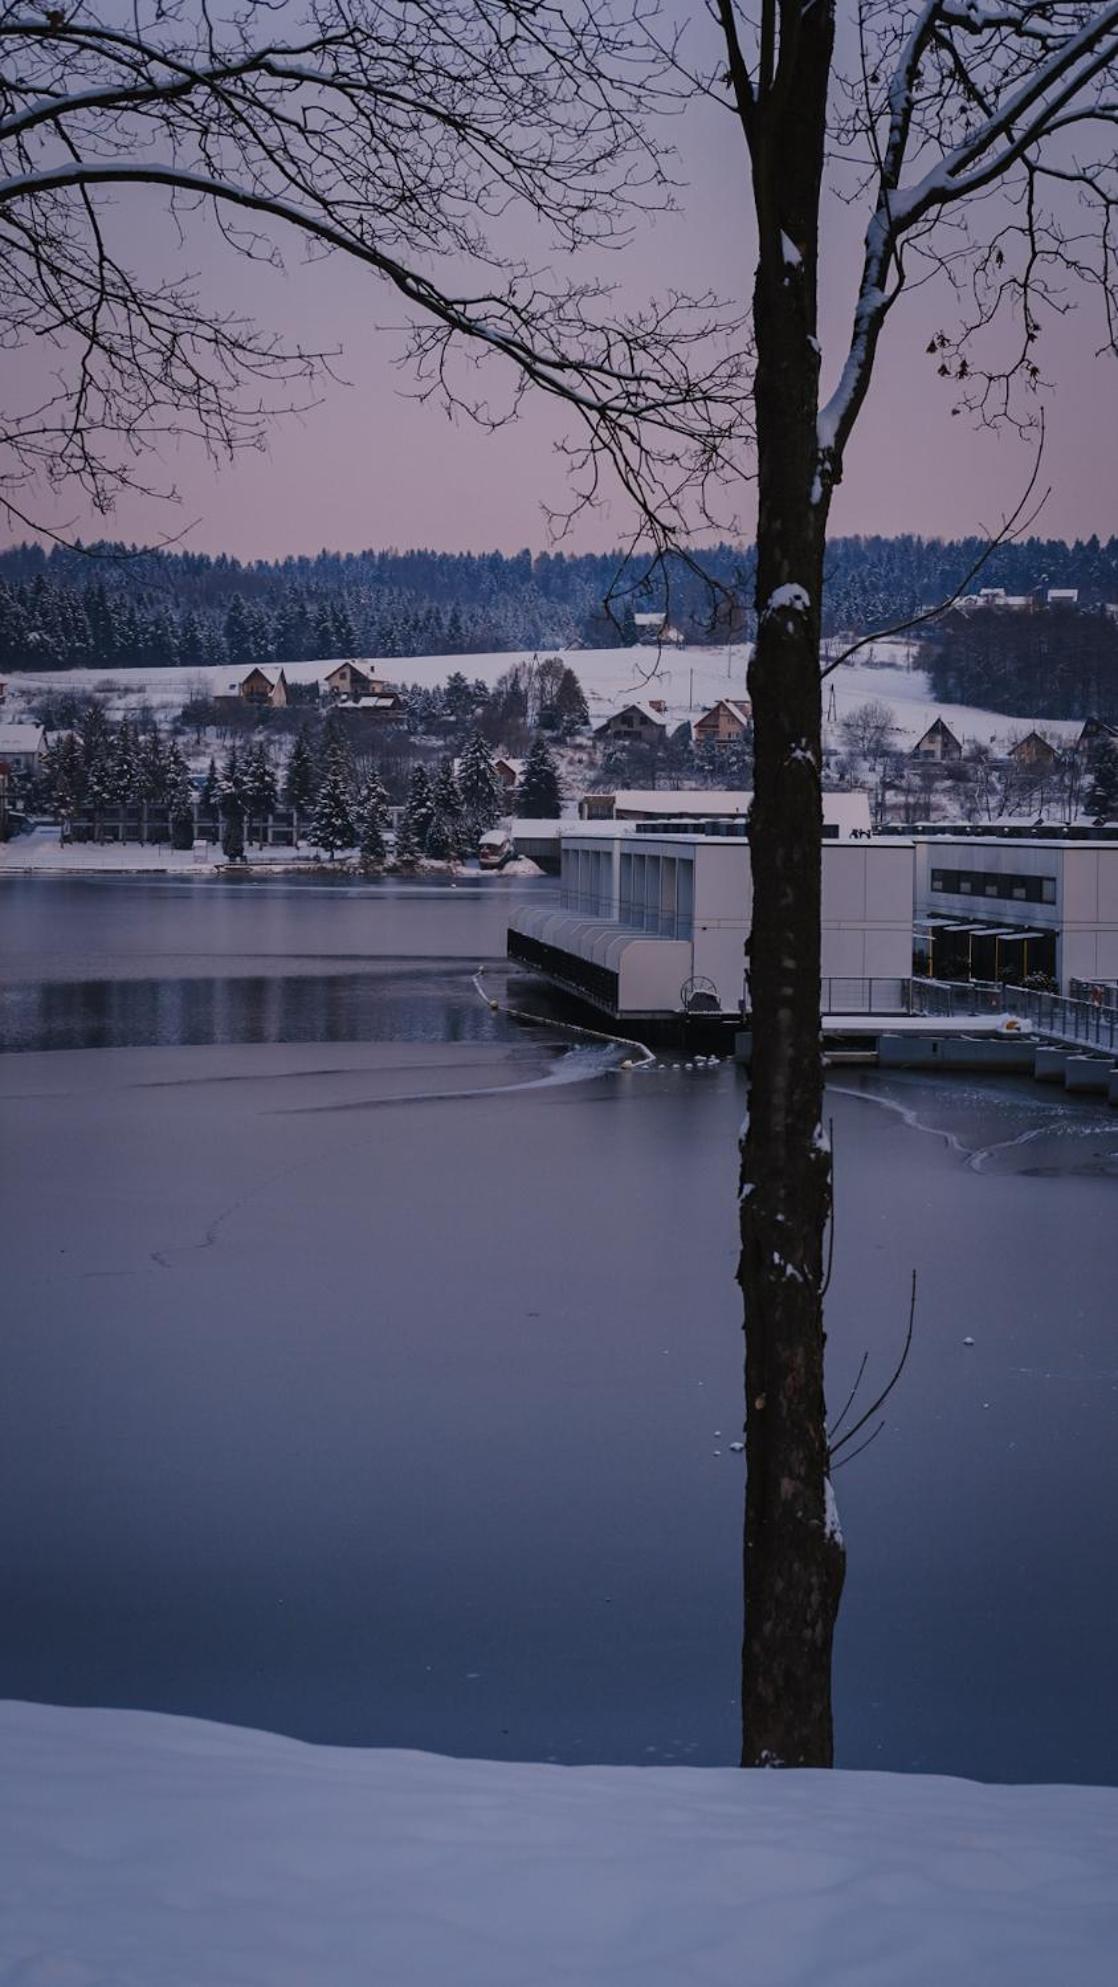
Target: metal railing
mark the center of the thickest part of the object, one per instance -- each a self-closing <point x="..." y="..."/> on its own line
<point x="1075" y="1021"/>
<point x="840" y="995"/>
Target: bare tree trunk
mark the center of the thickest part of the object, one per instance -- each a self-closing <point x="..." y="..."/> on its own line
<point x="793" y="1556"/>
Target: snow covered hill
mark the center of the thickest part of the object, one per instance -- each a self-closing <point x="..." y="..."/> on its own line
<point x="145" y="1851"/>
<point x="689" y="681"/>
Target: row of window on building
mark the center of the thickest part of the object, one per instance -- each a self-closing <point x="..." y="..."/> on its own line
<point x="987" y="883"/>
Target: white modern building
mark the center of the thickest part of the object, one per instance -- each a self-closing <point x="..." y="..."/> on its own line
<point x="991" y="908"/>
<point x="653" y="925"/>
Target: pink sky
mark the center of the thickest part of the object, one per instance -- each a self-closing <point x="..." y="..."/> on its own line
<point x="370" y="466"/>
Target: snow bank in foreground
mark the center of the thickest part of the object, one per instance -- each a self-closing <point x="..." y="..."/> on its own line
<point x="137" y="1850"/>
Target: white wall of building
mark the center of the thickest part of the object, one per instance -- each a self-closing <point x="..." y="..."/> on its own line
<point x="697" y="890"/>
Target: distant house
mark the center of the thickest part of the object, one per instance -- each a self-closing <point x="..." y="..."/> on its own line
<point x="1095" y="733"/>
<point x="387" y="706"/>
<point x="939" y="743"/>
<point x="23" y="746"/>
<point x="5" y="779"/>
<point x="656" y="631"/>
<point x="1034" y="751"/>
<point x="257" y="688"/>
<point x="3" y="689"/>
<point x="1062" y="596"/>
<point x="726" y="721"/>
<point x="996" y="597"/>
<point x="349" y="681"/>
<point x="509" y="772"/>
<point x="644" y="722"/>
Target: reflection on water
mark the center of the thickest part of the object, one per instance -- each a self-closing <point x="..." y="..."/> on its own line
<point x="437" y="1004"/>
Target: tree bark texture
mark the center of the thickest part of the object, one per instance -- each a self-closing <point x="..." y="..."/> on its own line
<point x="793" y="1556"/>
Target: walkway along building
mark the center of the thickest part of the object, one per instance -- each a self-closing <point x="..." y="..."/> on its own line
<point x="652" y="923"/>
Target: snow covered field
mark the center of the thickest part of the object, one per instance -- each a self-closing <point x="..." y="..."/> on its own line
<point x="148" y="1851"/>
<point x="689" y="681"/>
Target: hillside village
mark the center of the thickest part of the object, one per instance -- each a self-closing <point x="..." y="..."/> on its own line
<point x="169" y="756"/>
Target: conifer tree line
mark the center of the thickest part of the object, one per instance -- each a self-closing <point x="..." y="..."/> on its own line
<point x="111" y="607"/>
<point x="1057" y="663"/>
<point x="100" y="767"/>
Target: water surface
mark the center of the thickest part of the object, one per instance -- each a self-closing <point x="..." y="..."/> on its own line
<point x="371" y="1361"/>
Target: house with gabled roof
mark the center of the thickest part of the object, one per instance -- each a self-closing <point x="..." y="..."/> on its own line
<point x="257" y="687"/>
<point x="642" y="722"/>
<point x="349" y="681"/>
<point x="726" y="721"/>
<point x="939" y="743"/>
<point x="1034" y="751"/>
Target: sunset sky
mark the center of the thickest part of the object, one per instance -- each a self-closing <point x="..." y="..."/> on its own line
<point x="370" y="466"/>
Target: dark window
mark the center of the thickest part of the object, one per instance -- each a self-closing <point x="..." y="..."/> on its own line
<point x="980" y="882"/>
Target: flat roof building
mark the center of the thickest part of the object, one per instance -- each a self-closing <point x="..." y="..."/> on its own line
<point x="653" y="925"/>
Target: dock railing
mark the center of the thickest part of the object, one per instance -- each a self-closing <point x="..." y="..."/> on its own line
<point x="842" y="995"/>
<point x="1078" y="1022"/>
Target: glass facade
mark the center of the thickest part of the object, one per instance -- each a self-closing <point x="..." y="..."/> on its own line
<point x="658" y="894"/>
<point x="586" y="883"/>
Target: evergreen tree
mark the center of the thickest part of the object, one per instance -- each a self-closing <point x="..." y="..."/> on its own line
<point x="407" y="850"/>
<point x="538" y="796"/>
<point x="570" y="704"/>
<point x="261" y="792"/>
<point x="300" y="782"/>
<point x="459" y="696"/>
<point x="150" y="779"/>
<point x="124" y="774"/>
<point x="371" y="821"/>
<point x="447" y="836"/>
<point x="100" y="785"/>
<point x="332" y="827"/>
<point x="94" y="732"/>
<point x="1102" y="795"/>
<point x="239" y="632"/>
<point x="190" y="643"/>
<point x="231" y="784"/>
<point x="180" y="798"/>
<point x="210" y="787"/>
<point x="420" y="809"/>
<point x="65" y="773"/>
<point x="482" y="797"/>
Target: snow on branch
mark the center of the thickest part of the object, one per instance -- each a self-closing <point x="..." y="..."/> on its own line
<point x="956" y="98"/>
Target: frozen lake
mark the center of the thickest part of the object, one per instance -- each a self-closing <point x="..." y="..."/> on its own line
<point x="366" y="1356"/>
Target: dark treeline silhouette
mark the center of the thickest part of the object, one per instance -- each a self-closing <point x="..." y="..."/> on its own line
<point x="1054" y="663"/>
<point x="110" y="607"/>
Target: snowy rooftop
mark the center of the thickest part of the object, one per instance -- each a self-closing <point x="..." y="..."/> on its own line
<point x="708" y="801"/>
<point x="20" y="737"/>
<point x="845" y="810"/>
<point x="146" y="1851"/>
